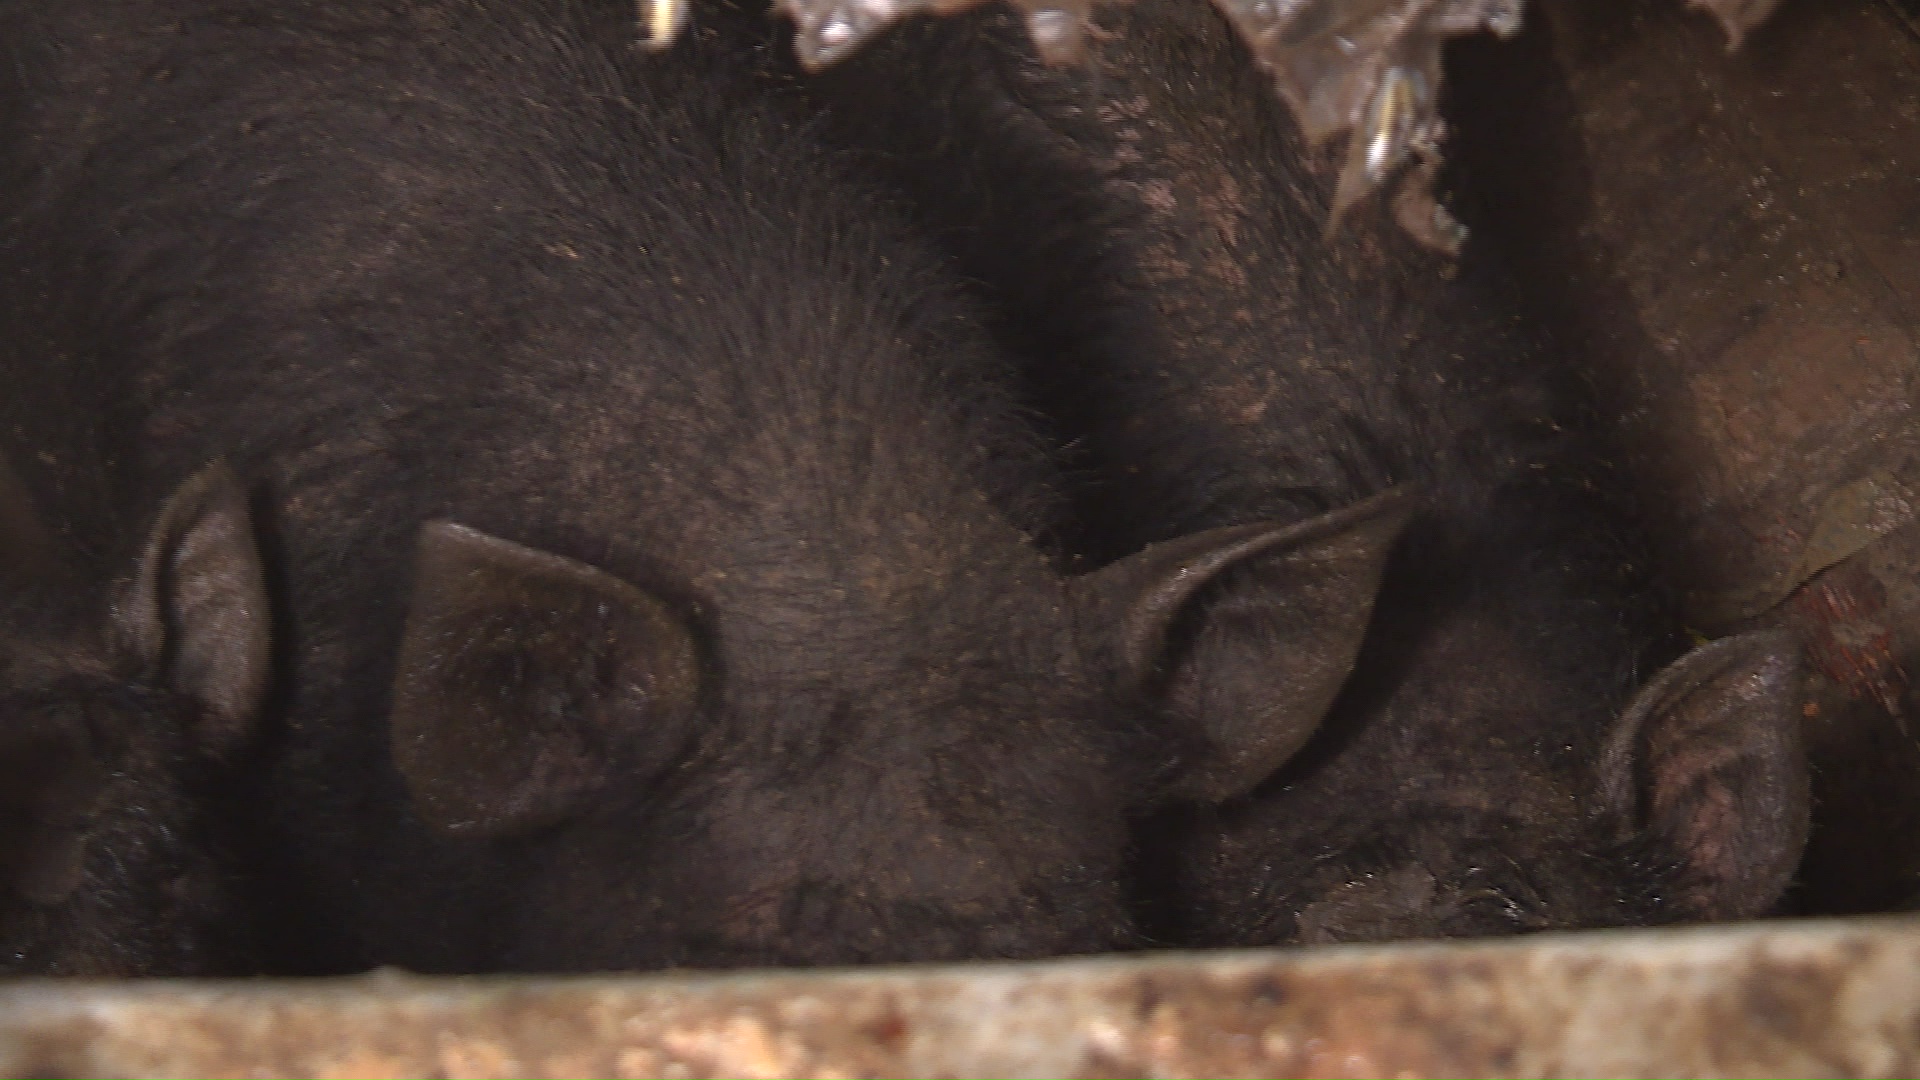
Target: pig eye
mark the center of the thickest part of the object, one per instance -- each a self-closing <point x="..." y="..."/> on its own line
<point x="1498" y="909"/>
<point x="1496" y="891"/>
<point x="1490" y="901"/>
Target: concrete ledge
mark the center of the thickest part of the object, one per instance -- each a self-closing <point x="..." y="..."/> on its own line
<point x="1829" y="997"/>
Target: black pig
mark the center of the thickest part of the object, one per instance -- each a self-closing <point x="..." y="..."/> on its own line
<point x="656" y="538"/>
<point x="123" y="708"/>
<point x="1151" y="228"/>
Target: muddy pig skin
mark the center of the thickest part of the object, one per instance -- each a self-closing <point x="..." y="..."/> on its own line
<point x="126" y="709"/>
<point x="657" y="552"/>
<point x="1151" y="229"/>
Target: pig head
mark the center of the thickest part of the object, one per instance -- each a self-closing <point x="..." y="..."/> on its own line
<point x="566" y="718"/>
<point x="1151" y="229"/>
<point x="1475" y="778"/>
<point x="120" y="708"/>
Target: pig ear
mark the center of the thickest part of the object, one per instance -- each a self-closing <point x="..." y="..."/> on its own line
<point x="1707" y="763"/>
<point x="195" y="617"/>
<point x="1244" y="635"/>
<point x="526" y="681"/>
<point x="51" y="780"/>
